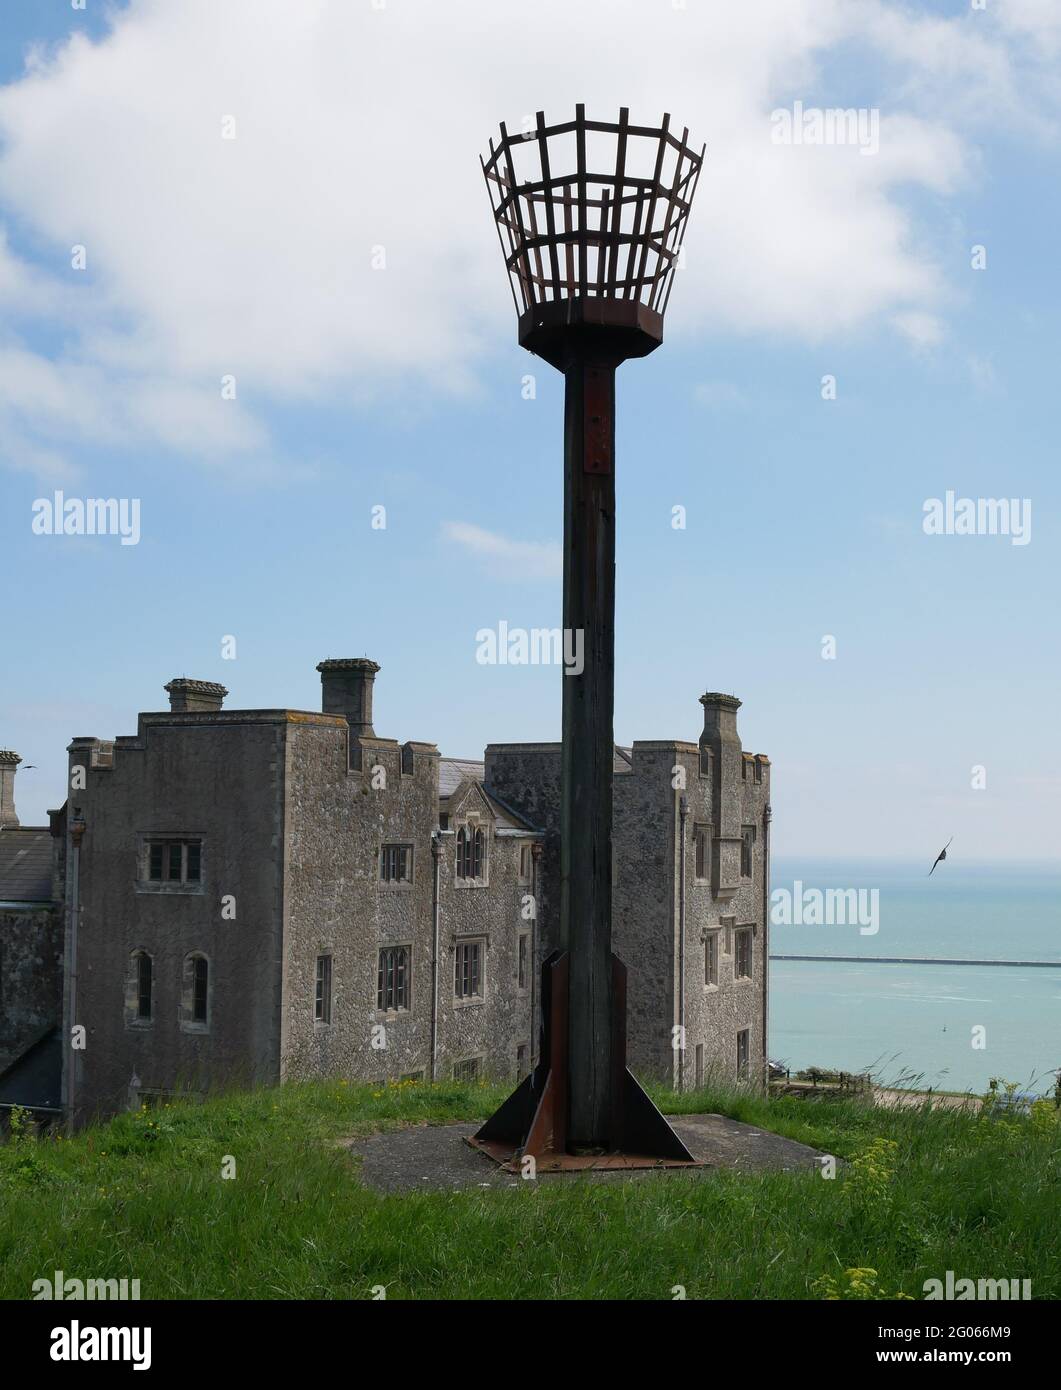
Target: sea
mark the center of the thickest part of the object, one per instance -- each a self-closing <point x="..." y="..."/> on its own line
<point x="950" y="1026"/>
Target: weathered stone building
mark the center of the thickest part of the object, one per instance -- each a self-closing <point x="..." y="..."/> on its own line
<point x="31" y="952"/>
<point x="690" y="911"/>
<point x="261" y="895"/>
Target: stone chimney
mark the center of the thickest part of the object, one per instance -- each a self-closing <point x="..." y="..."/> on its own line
<point x="720" y="717"/>
<point x="8" y="765"/>
<point x="346" y="688"/>
<point x="194" y="697"/>
<point x="721" y="744"/>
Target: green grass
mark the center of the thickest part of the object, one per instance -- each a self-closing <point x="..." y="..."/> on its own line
<point x="143" y="1197"/>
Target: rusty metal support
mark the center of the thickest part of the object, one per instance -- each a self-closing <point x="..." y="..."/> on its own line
<point x="591" y="254"/>
<point x="532" y="1122"/>
<point x="588" y="749"/>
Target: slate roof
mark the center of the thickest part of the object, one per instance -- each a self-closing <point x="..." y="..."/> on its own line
<point x="26" y="865"/>
<point x="452" y="771"/>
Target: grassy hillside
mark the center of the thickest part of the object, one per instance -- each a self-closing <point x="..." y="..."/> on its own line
<point x="143" y="1197"/>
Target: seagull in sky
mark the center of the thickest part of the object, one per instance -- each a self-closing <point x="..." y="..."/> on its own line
<point x="941" y="856"/>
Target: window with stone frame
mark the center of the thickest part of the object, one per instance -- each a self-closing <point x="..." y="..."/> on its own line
<point x="464" y="860"/>
<point x="393" y="982"/>
<point x="706" y="763"/>
<point x="200" y="990"/>
<point x="702" y="851"/>
<point x="747" y="841"/>
<point x="727" y="935"/>
<point x="711" y="958"/>
<point x="195" y="993"/>
<point x="526" y="863"/>
<point x="322" y="992"/>
<point x="521" y="1061"/>
<point x="742" y="957"/>
<point x="743" y="1051"/>
<point x="468" y="1069"/>
<point x="143" y="985"/>
<point x="396" y="863"/>
<point x="468" y="970"/>
<point x="523" y="960"/>
<point x="173" y="861"/>
<point x="140" y="989"/>
<point x="471" y="855"/>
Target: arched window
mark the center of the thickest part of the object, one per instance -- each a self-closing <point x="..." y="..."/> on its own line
<point x="471" y="852"/>
<point x="462" y="853"/>
<point x="200" y="986"/>
<point x="143" y="985"/>
<point x="195" y="995"/>
<point x="139" y="996"/>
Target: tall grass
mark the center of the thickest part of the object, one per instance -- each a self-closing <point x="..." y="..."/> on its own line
<point x="143" y="1197"/>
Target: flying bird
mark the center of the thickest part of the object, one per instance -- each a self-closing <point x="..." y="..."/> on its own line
<point x="941" y="856"/>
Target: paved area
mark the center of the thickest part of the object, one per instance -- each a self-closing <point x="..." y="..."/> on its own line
<point x="427" y="1157"/>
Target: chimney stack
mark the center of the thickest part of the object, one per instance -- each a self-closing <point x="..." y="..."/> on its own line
<point x="8" y="766"/>
<point x="346" y="688"/>
<point x="720" y="717"/>
<point x="725" y="762"/>
<point x="194" y="697"/>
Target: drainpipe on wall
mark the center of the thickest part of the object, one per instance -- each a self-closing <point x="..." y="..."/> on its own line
<point x="436" y="855"/>
<point x="765" y="952"/>
<point x="536" y="869"/>
<point x="683" y="811"/>
<point x="77" y="831"/>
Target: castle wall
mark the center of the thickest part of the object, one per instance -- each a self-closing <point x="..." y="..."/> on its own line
<point x="218" y="777"/>
<point x="493" y="1028"/>
<point x="721" y="798"/>
<point x="292" y="809"/>
<point x="716" y="1012"/>
<point x="31" y="960"/>
<point x="526" y="776"/>
<point x="644" y="904"/>
<point x="335" y="904"/>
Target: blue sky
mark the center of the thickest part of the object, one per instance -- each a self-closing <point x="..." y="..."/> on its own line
<point x="404" y="389"/>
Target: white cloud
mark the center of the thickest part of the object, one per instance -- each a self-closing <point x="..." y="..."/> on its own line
<point x="357" y="128"/>
<point x="505" y="558"/>
<point x="922" y="330"/>
<point x="1039" y="21"/>
<point x="58" y="403"/>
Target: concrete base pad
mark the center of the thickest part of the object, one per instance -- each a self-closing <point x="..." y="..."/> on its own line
<point x="427" y="1157"/>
